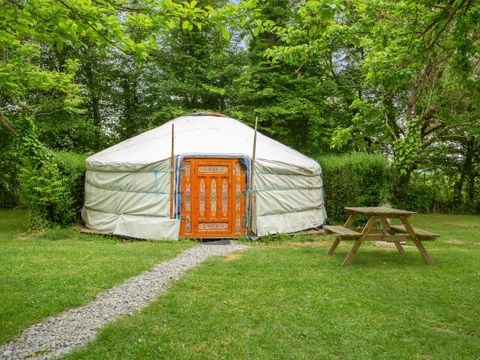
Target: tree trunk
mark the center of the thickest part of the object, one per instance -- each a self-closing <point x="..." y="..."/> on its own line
<point x="466" y="172"/>
<point x="404" y="180"/>
<point x="471" y="175"/>
<point x="93" y="101"/>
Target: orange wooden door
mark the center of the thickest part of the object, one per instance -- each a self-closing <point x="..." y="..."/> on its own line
<point x="213" y="198"/>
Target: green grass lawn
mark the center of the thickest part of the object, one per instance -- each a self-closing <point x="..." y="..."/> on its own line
<point x="282" y="298"/>
<point x="286" y="299"/>
<point x="43" y="273"/>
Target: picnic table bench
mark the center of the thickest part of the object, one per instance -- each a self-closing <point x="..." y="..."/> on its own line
<point x="421" y="234"/>
<point x="384" y="232"/>
<point x="343" y="232"/>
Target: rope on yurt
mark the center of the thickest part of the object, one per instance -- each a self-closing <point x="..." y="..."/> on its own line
<point x="208" y="113"/>
<point x="251" y="190"/>
<point x="172" y="173"/>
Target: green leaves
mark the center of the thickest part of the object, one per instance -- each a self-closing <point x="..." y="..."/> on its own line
<point x="323" y="75"/>
<point x="398" y="67"/>
<point x="186" y="25"/>
<point x="31" y="28"/>
<point x="43" y="190"/>
<point x="341" y="137"/>
<point x="406" y="149"/>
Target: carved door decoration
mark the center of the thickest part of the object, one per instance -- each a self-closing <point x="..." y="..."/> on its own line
<point x="213" y="198"/>
<point x="224" y="197"/>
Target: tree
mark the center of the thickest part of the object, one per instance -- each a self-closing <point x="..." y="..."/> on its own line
<point x="294" y="101"/>
<point x="65" y="28"/>
<point x="31" y="88"/>
<point x="192" y="69"/>
<point x="408" y="69"/>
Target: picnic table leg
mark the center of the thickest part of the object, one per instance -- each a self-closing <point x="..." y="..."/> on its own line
<point x="352" y="252"/>
<point x="334" y="246"/>
<point x="386" y="229"/>
<point x="417" y="242"/>
<point x="358" y="243"/>
<point x="349" y="222"/>
<point x="399" y="246"/>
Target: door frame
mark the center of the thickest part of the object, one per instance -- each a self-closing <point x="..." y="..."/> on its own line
<point x="245" y="163"/>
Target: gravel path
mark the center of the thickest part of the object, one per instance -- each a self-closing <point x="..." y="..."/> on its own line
<point x="58" y="335"/>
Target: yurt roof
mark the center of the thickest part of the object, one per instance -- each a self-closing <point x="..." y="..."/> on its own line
<point x="197" y="135"/>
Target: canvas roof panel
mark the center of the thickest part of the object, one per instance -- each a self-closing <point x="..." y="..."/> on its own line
<point x="209" y="135"/>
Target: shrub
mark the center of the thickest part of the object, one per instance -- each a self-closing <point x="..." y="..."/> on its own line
<point x="44" y="193"/>
<point x="72" y="169"/>
<point x="357" y="179"/>
<point x="9" y="169"/>
<point x="427" y="192"/>
<point x="53" y="190"/>
<point x="49" y="181"/>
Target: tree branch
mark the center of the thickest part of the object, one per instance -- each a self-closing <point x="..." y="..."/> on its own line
<point x="442" y="129"/>
<point x="122" y="7"/>
<point x="447" y="22"/>
<point x="86" y="22"/>
<point x="435" y="138"/>
<point x="6" y="124"/>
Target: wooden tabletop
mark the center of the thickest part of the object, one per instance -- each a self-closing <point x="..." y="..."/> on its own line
<point x="384" y="211"/>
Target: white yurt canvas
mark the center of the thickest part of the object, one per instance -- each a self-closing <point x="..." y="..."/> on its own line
<point x="137" y="189"/>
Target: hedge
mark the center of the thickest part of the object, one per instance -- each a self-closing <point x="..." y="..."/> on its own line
<point x="357" y="179"/>
<point x="9" y="169"/>
<point x="52" y="189"/>
<point x="72" y="168"/>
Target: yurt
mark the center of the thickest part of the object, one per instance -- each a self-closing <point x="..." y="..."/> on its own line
<point x="202" y="176"/>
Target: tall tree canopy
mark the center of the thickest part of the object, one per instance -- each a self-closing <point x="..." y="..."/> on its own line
<point x="400" y="78"/>
<point x="408" y="69"/>
<point x="61" y="31"/>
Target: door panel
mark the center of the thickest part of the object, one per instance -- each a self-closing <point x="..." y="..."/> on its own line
<point x="213" y="198"/>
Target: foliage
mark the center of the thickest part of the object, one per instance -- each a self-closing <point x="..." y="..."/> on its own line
<point x="45" y="273"/>
<point x="446" y="179"/>
<point x="72" y="170"/>
<point x="44" y="190"/>
<point x="357" y="179"/>
<point x="290" y="101"/>
<point x="423" y="194"/>
<point x="431" y="192"/>
<point x="191" y="71"/>
<point x="407" y="70"/>
<point x="398" y="78"/>
<point x="8" y="182"/>
<point x="292" y="301"/>
<point x="76" y="25"/>
<point x="43" y="45"/>
<point x="44" y="193"/>
<point x="9" y="168"/>
<point x="462" y="167"/>
<point x="52" y="183"/>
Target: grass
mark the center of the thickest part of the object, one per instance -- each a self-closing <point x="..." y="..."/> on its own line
<point x="44" y="273"/>
<point x="285" y="299"/>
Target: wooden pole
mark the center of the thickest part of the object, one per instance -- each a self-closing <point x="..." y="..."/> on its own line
<point x="172" y="173"/>
<point x="252" y="174"/>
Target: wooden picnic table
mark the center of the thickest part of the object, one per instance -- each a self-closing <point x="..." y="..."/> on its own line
<point x="378" y="228"/>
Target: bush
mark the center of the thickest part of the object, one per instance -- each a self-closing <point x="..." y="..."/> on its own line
<point x="53" y="190"/>
<point x="50" y="182"/>
<point x="9" y="169"/>
<point x="357" y="179"/>
<point x="427" y="192"/>
<point x="72" y="169"/>
<point x="44" y="193"/>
